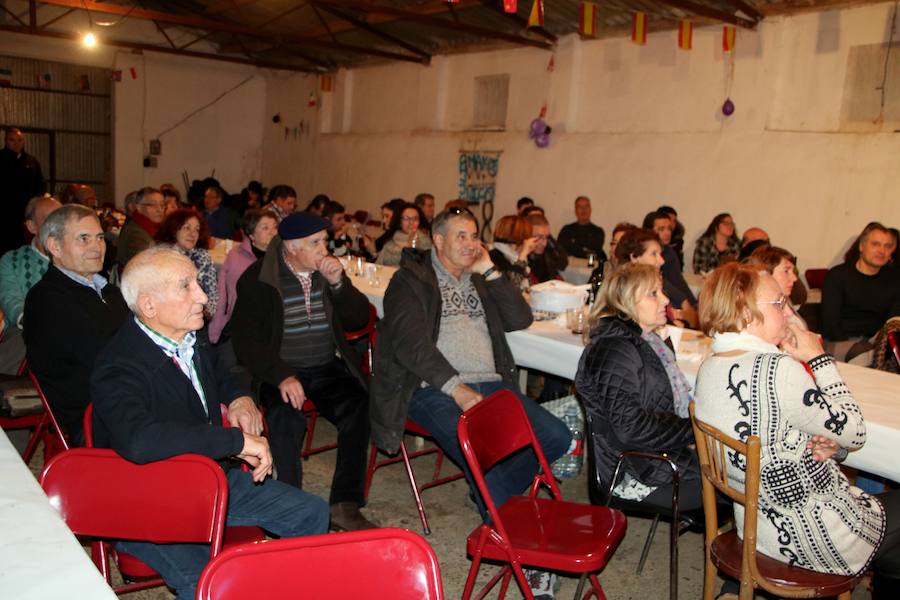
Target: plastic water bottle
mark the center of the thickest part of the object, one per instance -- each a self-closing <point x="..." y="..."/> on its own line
<point x="570" y="463"/>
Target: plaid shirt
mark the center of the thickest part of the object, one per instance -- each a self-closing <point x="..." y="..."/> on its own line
<point x="707" y="257"/>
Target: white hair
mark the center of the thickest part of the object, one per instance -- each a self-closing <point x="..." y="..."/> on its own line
<point x="149" y="273"/>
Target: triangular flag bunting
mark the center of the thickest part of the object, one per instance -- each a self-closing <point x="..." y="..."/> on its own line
<point x="728" y="37"/>
<point x="685" y="34"/>
<point x="587" y="19"/>
<point x="639" y="28"/>
<point x="510" y="6"/>
<point x="536" y="18"/>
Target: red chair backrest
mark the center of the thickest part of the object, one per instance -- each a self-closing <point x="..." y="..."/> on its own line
<point x="895" y="345"/>
<point x="816" y="278"/>
<point x="100" y="494"/>
<point x="492" y="430"/>
<point x="371" y="333"/>
<point x="61" y="437"/>
<point x="89" y="426"/>
<point x="386" y="563"/>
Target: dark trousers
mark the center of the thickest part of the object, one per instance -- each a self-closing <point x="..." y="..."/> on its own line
<point x="342" y="400"/>
<point x="887" y="558"/>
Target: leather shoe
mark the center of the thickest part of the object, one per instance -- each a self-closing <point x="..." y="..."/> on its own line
<point x="345" y="516"/>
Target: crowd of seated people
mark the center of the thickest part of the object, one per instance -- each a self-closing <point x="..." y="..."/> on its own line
<point x="266" y="328"/>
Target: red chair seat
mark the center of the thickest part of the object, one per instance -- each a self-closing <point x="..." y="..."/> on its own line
<point x="551" y="534"/>
<point x="242" y="535"/>
<point x="132" y="567"/>
<point x="727" y="555"/>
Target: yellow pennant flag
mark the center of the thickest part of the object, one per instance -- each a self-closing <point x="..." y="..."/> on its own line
<point x="639" y="28"/>
<point x="685" y="34"/>
<point x="728" y="38"/>
<point x="536" y="18"/>
<point x="587" y="19"/>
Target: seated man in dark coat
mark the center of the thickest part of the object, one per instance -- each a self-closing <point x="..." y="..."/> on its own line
<point x="158" y="392"/>
<point x="70" y="314"/>
<point x="293" y="307"/>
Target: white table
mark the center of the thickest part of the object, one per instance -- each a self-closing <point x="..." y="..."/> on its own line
<point x="40" y="558"/>
<point x="577" y="272"/>
<point x="550" y="349"/>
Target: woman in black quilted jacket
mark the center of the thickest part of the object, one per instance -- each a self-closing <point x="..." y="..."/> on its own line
<point x="632" y="388"/>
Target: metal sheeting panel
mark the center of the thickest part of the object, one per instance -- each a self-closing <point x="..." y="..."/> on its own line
<point x="66" y="113"/>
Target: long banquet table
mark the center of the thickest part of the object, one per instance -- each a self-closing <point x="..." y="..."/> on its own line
<point x="546" y="347"/>
<point x="39" y="556"/>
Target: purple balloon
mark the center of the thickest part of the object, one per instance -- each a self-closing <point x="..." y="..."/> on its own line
<point x="542" y="140"/>
<point x="728" y="108"/>
<point x="537" y="128"/>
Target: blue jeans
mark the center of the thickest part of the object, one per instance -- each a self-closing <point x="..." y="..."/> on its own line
<point x="282" y="510"/>
<point x="438" y="413"/>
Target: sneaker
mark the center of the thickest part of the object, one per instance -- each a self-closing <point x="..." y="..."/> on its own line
<point x="542" y="583"/>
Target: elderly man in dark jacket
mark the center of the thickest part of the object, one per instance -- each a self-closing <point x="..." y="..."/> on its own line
<point x="442" y="348"/>
<point x="292" y="309"/>
<point x="159" y="392"/>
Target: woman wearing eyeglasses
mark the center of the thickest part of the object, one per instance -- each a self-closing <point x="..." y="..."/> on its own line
<point x="404" y="232"/>
<point x="782" y="265"/>
<point x="772" y="379"/>
<point x="718" y="244"/>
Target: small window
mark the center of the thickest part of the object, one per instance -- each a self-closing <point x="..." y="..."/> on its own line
<point x="491" y="98"/>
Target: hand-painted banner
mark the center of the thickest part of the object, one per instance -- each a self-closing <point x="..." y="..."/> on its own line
<point x="536" y="17"/>
<point x="685" y="34"/>
<point x="478" y="176"/>
<point x="639" y="28"/>
<point x="587" y="19"/>
<point x="728" y="38"/>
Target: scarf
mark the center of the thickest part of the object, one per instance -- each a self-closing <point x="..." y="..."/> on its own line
<point x="726" y="342"/>
<point x="681" y="389"/>
<point x="146" y="224"/>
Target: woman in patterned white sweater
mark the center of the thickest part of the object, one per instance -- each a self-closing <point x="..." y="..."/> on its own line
<point x="809" y="515"/>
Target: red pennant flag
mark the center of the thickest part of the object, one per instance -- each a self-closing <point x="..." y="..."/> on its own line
<point x="133" y="72"/>
<point x="510" y="6"/>
<point x="536" y="18"/>
<point x="587" y="19"/>
<point x="326" y="83"/>
<point x="685" y="34"/>
<point x="639" y="28"/>
<point x="115" y="75"/>
<point x="728" y="38"/>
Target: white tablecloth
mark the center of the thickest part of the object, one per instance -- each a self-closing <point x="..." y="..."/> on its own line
<point x="40" y="558"/>
<point x="550" y="349"/>
<point x="577" y="272"/>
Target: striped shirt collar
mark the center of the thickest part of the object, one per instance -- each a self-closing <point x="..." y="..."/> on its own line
<point x="169" y="346"/>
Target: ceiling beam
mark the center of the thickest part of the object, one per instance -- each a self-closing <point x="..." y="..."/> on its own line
<point x="441" y="23"/>
<point x="204" y="23"/>
<point x="75" y="37"/>
<point x="712" y="13"/>
<point x="61" y="15"/>
<point x="520" y="21"/>
<point x="747" y="8"/>
<point x="373" y="30"/>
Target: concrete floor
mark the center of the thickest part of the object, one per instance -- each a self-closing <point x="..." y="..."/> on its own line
<point x="452" y="518"/>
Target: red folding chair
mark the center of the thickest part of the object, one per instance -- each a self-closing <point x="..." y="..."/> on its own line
<point x="895" y="345"/>
<point x="38" y="423"/>
<point x="309" y="407"/>
<point x="103" y="496"/>
<point x="815" y="278"/>
<point x="405" y="457"/>
<point x="384" y="563"/>
<point x="541" y="533"/>
<point x="56" y="440"/>
<point x="132" y="568"/>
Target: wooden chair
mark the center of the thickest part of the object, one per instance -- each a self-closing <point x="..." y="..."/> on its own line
<point x="384" y="563"/>
<point x="726" y="551"/>
<point x="549" y="534"/>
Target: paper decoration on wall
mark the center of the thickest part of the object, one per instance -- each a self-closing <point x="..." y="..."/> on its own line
<point x="115" y="75"/>
<point x="587" y="19"/>
<point x="685" y="34"/>
<point x="43" y="80"/>
<point x="728" y="107"/>
<point x="133" y="72"/>
<point x="312" y="102"/>
<point x="84" y="83"/>
<point x="510" y="6"/>
<point x="639" y="28"/>
<point x="478" y="176"/>
<point x="536" y="17"/>
<point x="5" y="77"/>
<point x="729" y="34"/>
<point x="326" y="83"/>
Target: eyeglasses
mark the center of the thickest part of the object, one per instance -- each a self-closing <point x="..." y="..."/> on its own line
<point x="159" y="205"/>
<point x="780" y="303"/>
<point x="416" y="219"/>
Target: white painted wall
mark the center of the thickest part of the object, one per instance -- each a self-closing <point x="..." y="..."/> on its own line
<point x="634" y="127"/>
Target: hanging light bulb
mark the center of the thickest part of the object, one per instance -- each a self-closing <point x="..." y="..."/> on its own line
<point x="89" y="40"/>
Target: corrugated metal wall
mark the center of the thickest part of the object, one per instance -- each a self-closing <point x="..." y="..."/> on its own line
<point x="66" y="114"/>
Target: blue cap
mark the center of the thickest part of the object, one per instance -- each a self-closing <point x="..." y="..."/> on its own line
<point x="300" y="225"/>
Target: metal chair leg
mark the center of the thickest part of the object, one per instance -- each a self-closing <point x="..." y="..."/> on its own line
<point x="580" y="588"/>
<point x="647" y="543"/>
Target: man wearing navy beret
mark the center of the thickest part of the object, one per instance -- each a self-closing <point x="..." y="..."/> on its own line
<point x="293" y="307"/>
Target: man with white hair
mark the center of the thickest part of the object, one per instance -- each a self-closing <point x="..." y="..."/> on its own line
<point x="70" y="313"/>
<point x="159" y="391"/>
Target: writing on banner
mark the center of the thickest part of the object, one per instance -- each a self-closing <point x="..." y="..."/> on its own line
<point x="478" y="176"/>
